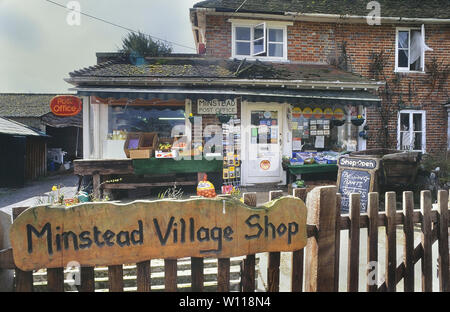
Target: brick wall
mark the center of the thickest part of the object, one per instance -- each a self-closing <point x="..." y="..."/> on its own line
<point x="322" y="43"/>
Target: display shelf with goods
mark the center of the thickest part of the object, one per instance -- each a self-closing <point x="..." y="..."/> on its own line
<point x="231" y="156"/>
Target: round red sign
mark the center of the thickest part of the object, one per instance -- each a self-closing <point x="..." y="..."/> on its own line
<point x="66" y="105"/>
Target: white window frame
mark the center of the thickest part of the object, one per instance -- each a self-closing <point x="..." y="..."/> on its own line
<point x="422" y="58"/>
<point x="252" y="24"/>
<point x="424" y="129"/>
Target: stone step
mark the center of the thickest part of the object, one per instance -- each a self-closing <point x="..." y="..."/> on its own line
<point x="157" y="276"/>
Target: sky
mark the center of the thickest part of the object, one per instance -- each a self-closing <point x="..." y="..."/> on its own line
<point x="38" y="48"/>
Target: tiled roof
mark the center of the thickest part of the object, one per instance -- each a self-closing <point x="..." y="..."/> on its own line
<point x="158" y="68"/>
<point x="15" y="128"/>
<point x="24" y="104"/>
<point x="389" y="8"/>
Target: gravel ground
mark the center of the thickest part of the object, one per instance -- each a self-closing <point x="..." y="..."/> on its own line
<point x="35" y="192"/>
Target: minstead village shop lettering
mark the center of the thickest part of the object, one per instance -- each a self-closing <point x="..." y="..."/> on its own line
<point x="199" y="228"/>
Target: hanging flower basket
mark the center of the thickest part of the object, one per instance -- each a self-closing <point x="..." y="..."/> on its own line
<point x="191" y="119"/>
<point x="357" y="121"/>
<point x="224" y="118"/>
<point x="337" y="122"/>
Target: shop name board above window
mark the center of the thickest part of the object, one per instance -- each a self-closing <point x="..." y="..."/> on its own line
<point x="215" y="106"/>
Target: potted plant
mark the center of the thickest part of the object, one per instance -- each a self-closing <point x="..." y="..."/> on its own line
<point x="358" y="121"/>
<point x="191" y="118"/>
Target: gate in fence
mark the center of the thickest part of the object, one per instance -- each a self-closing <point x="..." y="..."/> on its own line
<point x="108" y="234"/>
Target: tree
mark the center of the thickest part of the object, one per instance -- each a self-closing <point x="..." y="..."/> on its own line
<point x="140" y="44"/>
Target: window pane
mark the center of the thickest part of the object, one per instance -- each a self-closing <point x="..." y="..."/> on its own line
<point x="403" y="39"/>
<point x="258" y="46"/>
<point x="258" y="32"/>
<point x="403" y="58"/>
<point x="415" y="50"/>
<point x="242" y="33"/>
<point x="404" y="122"/>
<point x="417" y="122"/>
<point x="275" y="50"/>
<point x="243" y="48"/>
<point x="418" y="141"/>
<point x="275" y="35"/>
<point x="405" y="140"/>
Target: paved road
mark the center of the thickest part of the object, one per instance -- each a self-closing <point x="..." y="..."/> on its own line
<point x="37" y="191"/>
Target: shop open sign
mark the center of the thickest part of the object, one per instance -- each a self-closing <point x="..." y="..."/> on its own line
<point x="112" y="234"/>
<point x="66" y="105"/>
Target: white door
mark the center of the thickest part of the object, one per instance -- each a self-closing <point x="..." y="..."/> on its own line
<point x="263" y="144"/>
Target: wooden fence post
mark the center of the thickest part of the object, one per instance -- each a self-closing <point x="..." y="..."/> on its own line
<point x="298" y="255"/>
<point x="427" y="272"/>
<point x="115" y="278"/>
<point x="170" y="275"/>
<point x="87" y="277"/>
<point x="391" y="241"/>
<point x="223" y="274"/>
<point x="444" y="283"/>
<point x="337" y="241"/>
<point x="372" y="243"/>
<point x="143" y="276"/>
<point x="320" y="250"/>
<point x="408" y="247"/>
<point x="197" y="276"/>
<point x="353" y="244"/>
<point x="248" y="278"/>
<point x="23" y="280"/>
<point x="273" y="267"/>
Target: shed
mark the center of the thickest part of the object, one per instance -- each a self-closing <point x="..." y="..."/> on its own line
<point x="23" y="156"/>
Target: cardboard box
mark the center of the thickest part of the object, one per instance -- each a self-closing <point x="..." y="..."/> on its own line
<point x="140" y="154"/>
<point x="163" y="154"/>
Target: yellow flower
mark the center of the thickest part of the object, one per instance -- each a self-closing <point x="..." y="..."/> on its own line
<point x="359" y="117"/>
<point x="54" y="188"/>
<point x="191" y="115"/>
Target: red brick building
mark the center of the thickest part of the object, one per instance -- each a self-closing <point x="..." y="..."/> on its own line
<point x="345" y="34"/>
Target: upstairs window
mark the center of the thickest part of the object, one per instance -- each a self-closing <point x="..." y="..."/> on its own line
<point x="259" y="41"/>
<point x="410" y="49"/>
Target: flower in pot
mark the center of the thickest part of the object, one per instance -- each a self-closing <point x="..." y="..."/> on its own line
<point x="358" y="121"/>
<point x="191" y="118"/>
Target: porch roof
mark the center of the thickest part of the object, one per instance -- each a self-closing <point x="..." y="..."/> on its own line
<point x="292" y="96"/>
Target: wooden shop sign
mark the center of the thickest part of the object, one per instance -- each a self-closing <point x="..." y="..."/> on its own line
<point x="66" y="105"/>
<point x="112" y="234"/>
<point x="356" y="175"/>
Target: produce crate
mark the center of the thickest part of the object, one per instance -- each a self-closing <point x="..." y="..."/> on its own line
<point x="132" y="142"/>
<point x="149" y="142"/>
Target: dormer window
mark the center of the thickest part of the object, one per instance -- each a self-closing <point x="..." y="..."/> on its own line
<point x="259" y="40"/>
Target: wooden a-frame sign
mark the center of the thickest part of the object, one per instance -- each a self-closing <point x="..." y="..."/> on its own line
<point x="111" y="234"/>
<point x="357" y="175"/>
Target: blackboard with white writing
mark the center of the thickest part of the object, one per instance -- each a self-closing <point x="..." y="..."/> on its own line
<point x="354" y="181"/>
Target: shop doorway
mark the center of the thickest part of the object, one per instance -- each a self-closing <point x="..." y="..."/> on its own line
<point x="263" y="139"/>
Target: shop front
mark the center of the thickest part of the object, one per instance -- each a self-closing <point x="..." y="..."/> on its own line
<point x="238" y="137"/>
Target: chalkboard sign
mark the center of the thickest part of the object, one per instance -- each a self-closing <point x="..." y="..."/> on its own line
<point x="354" y="181"/>
<point x="356" y="175"/>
